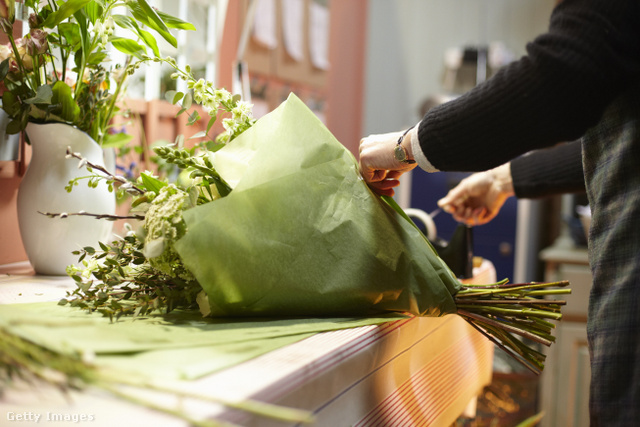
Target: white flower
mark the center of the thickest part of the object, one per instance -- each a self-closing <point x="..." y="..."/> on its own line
<point x="110" y="25"/>
<point x="5" y="52"/>
<point x="222" y="95"/>
<point x="199" y="88"/>
<point x="104" y="30"/>
<point x="242" y="111"/>
<point x="229" y="124"/>
<point x="210" y="104"/>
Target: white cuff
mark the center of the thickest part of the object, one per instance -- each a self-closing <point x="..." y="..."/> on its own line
<point x="416" y="150"/>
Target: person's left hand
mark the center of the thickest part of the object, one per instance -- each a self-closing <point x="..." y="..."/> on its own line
<point x="378" y="165"/>
<point x="478" y="198"/>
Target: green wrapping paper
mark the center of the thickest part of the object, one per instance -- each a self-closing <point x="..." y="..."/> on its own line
<point x="180" y="345"/>
<point x="301" y="234"/>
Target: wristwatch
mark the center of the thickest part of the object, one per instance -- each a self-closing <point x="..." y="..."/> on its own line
<point x="400" y="153"/>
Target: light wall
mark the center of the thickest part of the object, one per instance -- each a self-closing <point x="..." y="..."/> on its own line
<point x="407" y="39"/>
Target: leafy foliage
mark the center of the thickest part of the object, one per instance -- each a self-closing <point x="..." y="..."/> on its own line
<point x="120" y="281"/>
<point x="61" y="70"/>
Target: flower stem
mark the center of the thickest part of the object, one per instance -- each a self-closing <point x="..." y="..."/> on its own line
<point x="23" y="71"/>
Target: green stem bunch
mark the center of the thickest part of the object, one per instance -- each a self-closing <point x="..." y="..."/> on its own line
<point x="502" y="310"/>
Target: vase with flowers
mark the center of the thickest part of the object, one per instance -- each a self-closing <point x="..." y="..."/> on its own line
<point x="61" y="88"/>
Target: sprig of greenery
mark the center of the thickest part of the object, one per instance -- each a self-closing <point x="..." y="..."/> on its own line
<point x="118" y="280"/>
<point x="26" y="361"/>
<point x="201" y="167"/>
<point x="213" y="100"/>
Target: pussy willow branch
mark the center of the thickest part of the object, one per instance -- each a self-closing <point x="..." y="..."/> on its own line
<point x="119" y="179"/>
<point x="97" y="216"/>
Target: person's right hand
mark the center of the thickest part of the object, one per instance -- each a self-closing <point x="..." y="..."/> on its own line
<point x="477" y="199"/>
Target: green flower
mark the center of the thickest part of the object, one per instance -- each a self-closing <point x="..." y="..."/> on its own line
<point x="164" y="225"/>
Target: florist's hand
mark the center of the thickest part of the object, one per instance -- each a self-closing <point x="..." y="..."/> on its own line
<point x="479" y="197"/>
<point x="378" y="165"/>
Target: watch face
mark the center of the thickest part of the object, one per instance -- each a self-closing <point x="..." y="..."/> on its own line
<point x="400" y="154"/>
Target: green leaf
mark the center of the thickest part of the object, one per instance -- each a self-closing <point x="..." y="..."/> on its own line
<point x="173" y="22"/>
<point x="214" y="146"/>
<point x="15" y="126"/>
<point x="145" y="14"/>
<point x="10" y="103"/>
<point x="96" y="57"/>
<point x="71" y="32"/>
<point x="128" y="46"/>
<point x="129" y="23"/>
<point x="126" y="22"/>
<point x="200" y="134"/>
<point x="116" y="140"/>
<point x="35" y="112"/>
<point x="193" y="118"/>
<point x="173" y="96"/>
<point x="63" y="97"/>
<point x="64" y="11"/>
<point x="150" y="41"/>
<point x="4" y="68"/>
<point x="43" y="96"/>
<point x="188" y="100"/>
<point x="532" y="421"/>
<point x="94" y="11"/>
<point x="212" y="121"/>
<point x="85" y="38"/>
<point x="151" y="183"/>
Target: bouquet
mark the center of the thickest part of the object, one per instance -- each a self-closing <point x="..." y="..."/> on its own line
<point x="273" y="219"/>
<point x="61" y="70"/>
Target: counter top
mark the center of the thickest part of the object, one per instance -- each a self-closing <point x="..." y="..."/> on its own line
<point x="410" y="372"/>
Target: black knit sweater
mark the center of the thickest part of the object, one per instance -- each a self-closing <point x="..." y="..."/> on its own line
<point x="590" y="54"/>
<point x="550" y="171"/>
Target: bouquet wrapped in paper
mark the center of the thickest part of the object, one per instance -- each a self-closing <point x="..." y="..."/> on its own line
<point x="279" y="223"/>
<point x="301" y="234"/>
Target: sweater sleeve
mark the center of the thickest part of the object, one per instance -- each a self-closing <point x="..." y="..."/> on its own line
<point x="590" y="54"/>
<point x="550" y="171"/>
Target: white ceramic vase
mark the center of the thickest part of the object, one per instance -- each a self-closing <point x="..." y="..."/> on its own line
<point x="49" y="242"/>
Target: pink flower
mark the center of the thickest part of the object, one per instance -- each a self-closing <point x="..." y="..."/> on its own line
<point x="35" y="21"/>
<point x="37" y="44"/>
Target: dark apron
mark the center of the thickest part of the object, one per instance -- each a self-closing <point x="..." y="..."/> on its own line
<point x="611" y="160"/>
